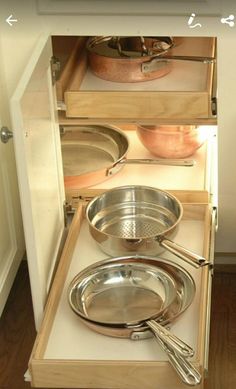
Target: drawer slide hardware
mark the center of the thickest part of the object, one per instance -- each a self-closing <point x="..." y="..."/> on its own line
<point x="214" y="106"/>
<point x="55" y="69"/>
<point x="61" y="106"/>
<point x="68" y="212"/>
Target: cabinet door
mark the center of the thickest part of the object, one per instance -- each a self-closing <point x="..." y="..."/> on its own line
<point x="39" y="166"/>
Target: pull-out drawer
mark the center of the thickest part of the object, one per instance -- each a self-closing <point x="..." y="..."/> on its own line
<point x="68" y="354"/>
<point x="198" y="177"/>
<point x="187" y="93"/>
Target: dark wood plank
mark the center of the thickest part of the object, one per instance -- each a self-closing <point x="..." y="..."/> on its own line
<point x="17" y="332"/>
<point x="222" y="358"/>
<point x="218" y="375"/>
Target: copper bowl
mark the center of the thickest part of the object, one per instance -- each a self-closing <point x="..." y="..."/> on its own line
<point x="171" y="141"/>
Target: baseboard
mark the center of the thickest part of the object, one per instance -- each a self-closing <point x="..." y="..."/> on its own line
<point x="225" y="258"/>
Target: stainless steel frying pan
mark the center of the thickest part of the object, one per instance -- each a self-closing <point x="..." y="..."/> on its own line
<point x="122" y="296"/>
<point x="92" y="154"/>
<point x="127" y="294"/>
<point x="102" y="291"/>
<point x="138" y="219"/>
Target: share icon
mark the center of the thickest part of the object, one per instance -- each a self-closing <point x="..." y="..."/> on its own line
<point x="229" y="20"/>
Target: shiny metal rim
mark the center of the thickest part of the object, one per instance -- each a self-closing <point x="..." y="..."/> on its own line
<point x="107" y="213"/>
<point x="184" y="283"/>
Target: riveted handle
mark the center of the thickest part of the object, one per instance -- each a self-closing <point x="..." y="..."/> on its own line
<point x="170" y="339"/>
<point x="184" y="368"/>
<point x="188" y="256"/>
<point x="6" y="134"/>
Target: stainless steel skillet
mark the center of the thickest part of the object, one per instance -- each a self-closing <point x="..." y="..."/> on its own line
<point x="122" y="296"/>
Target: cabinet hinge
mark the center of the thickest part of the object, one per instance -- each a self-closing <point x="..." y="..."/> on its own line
<point x="55" y="68"/>
<point x="214" y="106"/>
<point x="81" y="199"/>
<point x="77" y="201"/>
<point x="62" y="130"/>
<point x="68" y="212"/>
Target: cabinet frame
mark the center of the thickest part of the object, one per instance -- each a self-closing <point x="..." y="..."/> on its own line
<point x="49" y="373"/>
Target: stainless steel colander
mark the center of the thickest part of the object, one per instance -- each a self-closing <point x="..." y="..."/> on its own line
<point x="137" y="219"/>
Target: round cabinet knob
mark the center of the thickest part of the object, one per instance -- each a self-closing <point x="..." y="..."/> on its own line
<point x="6" y="134"/>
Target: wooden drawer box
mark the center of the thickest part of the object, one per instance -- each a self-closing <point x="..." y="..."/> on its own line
<point x="184" y="94"/>
<point x="69" y="355"/>
<point x="195" y="178"/>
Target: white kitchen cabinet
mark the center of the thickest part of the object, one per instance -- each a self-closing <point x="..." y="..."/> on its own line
<point x="82" y="363"/>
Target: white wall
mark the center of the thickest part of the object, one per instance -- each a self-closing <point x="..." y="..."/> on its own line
<point x="18" y="41"/>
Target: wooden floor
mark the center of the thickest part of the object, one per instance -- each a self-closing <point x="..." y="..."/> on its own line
<point x="222" y="363"/>
<point x="17" y="333"/>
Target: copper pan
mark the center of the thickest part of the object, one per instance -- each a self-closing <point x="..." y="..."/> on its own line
<point x="93" y="154"/>
<point x="120" y="59"/>
<point x="133" y="59"/>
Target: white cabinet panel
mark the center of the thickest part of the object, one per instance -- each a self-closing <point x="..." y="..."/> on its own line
<point x="37" y="147"/>
<point x="11" y="237"/>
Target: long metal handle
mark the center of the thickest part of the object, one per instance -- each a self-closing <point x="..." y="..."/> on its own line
<point x="173" y="341"/>
<point x="160" y="161"/>
<point x="186" y="371"/>
<point x="169" y="162"/>
<point x="206" y="60"/>
<point x="183" y="253"/>
<point x="184" y="368"/>
<point x="158" y="62"/>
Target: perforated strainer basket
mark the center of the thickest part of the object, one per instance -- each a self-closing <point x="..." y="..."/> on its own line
<point x="137" y="219"/>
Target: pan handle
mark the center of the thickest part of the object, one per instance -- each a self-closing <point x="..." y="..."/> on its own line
<point x="181" y="252"/>
<point x="173" y="341"/>
<point x="182" y="366"/>
<point x="161" y="161"/>
<point x="159" y="61"/>
<point x="206" y="60"/>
